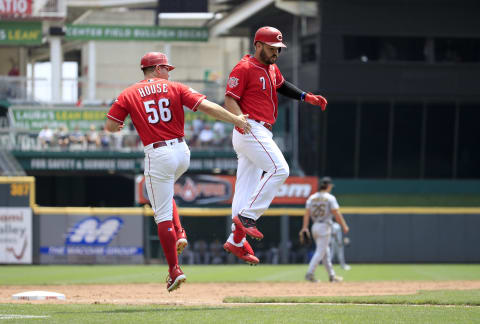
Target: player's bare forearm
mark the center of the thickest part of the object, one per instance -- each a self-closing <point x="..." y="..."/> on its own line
<point x="339" y="218"/>
<point x="218" y="112"/>
<point x="232" y="106"/>
<point x="306" y="219"/>
<point x="113" y="126"/>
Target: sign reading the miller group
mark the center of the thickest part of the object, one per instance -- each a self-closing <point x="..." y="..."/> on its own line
<point x="137" y="33"/>
<point x="20" y="33"/>
<point x="85" y="239"/>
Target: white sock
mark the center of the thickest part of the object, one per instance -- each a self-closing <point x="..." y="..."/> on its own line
<point x="230" y="240"/>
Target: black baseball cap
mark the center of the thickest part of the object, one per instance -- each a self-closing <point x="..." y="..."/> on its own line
<point x="325" y="181"/>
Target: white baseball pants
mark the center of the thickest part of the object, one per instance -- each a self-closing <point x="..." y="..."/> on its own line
<point x="163" y="166"/>
<point x="321" y="233"/>
<point x="257" y="153"/>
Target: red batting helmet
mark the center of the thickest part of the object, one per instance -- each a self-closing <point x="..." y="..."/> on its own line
<point x="155" y="58"/>
<point x="270" y="36"/>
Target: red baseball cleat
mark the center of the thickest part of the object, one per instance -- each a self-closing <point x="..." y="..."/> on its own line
<point x="175" y="279"/>
<point x="249" y="225"/>
<point x="244" y="252"/>
<point x="181" y="241"/>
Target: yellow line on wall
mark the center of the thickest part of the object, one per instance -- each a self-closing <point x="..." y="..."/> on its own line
<point x="17" y="179"/>
<point x="206" y="212"/>
<point x="209" y="212"/>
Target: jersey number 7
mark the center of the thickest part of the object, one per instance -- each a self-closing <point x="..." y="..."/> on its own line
<point x="163" y="108"/>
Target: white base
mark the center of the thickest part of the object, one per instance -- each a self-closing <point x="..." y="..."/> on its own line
<point x="38" y="295"/>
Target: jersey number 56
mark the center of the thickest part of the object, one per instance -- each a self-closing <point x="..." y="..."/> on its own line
<point x="163" y="109"/>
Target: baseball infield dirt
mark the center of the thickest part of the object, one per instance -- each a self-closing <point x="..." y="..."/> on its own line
<point x="214" y="293"/>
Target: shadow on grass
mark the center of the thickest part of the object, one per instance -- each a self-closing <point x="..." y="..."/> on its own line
<point x="163" y="309"/>
<point x="469" y="297"/>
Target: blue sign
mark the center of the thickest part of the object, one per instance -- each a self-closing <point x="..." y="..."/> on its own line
<point x="93" y="236"/>
<point x="92" y="231"/>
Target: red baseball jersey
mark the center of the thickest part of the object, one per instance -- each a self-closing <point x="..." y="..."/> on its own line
<point x="156" y="108"/>
<point x="254" y="85"/>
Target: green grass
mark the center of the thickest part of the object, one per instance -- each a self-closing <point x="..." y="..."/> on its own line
<point x="348" y="310"/>
<point x="241" y="314"/>
<point x="437" y="297"/>
<point x="409" y="200"/>
<point x="109" y="274"/>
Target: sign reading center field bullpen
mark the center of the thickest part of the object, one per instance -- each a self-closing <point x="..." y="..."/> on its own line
<point x="136" y="33"/>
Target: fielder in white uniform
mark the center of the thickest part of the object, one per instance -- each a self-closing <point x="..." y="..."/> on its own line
<point x="337" y="246"/>
<point x="320" y="208"/>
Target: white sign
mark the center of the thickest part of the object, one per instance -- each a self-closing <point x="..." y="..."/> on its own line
<point x="15" y="235"/>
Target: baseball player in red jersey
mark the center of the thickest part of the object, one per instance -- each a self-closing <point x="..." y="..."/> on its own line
<point x="252" y="89"/>
<point x="155" y="106"/>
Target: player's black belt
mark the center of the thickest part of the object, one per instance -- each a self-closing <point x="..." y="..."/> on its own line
<point x="164" y="143"/>
<point x="265" y="124"/>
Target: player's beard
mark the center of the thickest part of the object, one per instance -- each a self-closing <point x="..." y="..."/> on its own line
<point x="267" y="60"/>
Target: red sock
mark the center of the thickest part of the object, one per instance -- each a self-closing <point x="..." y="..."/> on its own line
<point x="168" y="239"/>
<point x="238" y="234"/>
<point x="176" y="217"/>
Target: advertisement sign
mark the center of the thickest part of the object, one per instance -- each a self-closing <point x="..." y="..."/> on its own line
<point x="296" y="190"/>
<point x="136" y="33"/>
<point x="193" y="189"/>
<point x="13" y="8"/>
<point x="83" y="239"/>
<point x="218" y="189"/>
<point x="15" y="235"/>
<point x="103" y="163"/>
<point x="35" y="119"/>
<point x="20" y="33"/>
<point x="84" y="164"/>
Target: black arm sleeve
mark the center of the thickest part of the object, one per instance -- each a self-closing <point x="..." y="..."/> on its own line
<point x="289" y="90"/>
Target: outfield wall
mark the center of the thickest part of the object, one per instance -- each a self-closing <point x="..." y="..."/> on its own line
<point x="414" y="237"/>
<point x="126" y="235"/>
<point x="377" y="234"/>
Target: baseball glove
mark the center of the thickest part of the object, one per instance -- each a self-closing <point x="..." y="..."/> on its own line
<point x="305" y="238"/>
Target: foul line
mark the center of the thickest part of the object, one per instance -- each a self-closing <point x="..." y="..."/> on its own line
<point x="16" y="316"/>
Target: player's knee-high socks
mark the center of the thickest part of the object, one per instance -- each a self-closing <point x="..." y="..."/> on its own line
<point x="176" y="217"/>
<point x="168" y="239"/>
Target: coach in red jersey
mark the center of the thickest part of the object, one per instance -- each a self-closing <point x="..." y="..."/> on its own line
<point x="155" y="106"/>
<point x="252" y="89"/>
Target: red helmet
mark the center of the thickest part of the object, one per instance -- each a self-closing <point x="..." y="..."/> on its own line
<point x="270" y="36"/>
<point x="155" y="58"/>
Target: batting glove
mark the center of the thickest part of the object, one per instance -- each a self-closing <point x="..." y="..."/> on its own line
<point x="316" y="100"/>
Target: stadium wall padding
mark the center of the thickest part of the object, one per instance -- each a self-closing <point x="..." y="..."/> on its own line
<point x="413" y="238"/>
